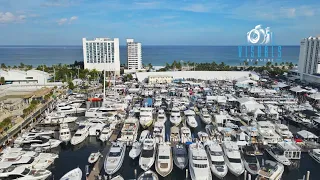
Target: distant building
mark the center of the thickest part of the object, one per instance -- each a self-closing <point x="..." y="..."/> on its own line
<point x="134" y="55"/>
<point x="24" y="77"/>
<point x="309" y="60"/>
<point x="160" y="79"/>
<point x="101" y="54"/>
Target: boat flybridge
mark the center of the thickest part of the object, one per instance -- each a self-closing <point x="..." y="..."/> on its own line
<point x="129" y="131"/>
<point x="64" y="133"/>
<point x="146" y="116"/>
<point x="159" y="132"/>
<point x="58" y="118"/>
<point x="315" y="154"/>
<point x="271" y="171"/>
<point x="23" y="173"/>
<point x="174" y="134"/>
<point x="175" y="117"/>
<point x="198" y="162"/>
<point x="161" y="116"/>
<point x="216" y="159"/>
<point x="67" y="109"/>
<point x="106" y="110"/>
<point x="147" y="156"/>
<point x="190" y="118"/>
<point x="267" y="133"/>
<point x="233" y="157"/>
<point x="283" y="131"/>
<point x="115" y="158"/>
<point x="205" y="116"/>
<point x="164" y="160"/>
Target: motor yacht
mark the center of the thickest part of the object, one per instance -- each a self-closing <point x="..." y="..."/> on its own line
<point x="67" y="110"/>
<point x="45" y="143"/>
<point x="315" y="154"/>
<point x="164" y="160"/>
<point x="106" y="110"/>
<point x="147" y="156"/>
<point x="283" y="131"/>
<point x="135" y="150"/>
<point x="216" y="160"/>
<point x="175" y="117"/>
<point x="115" y="157"/>
<point x="174" y="134"/>
<point x="150" y="175"/>
<point x="80" y="135"/>
<point x="191" y="118"/>
<point x="203" y="136"/>
<point x="26" y="137"/>
<point x="94" y="157"/>
<point x="180" y="156"/>
<point x="267" y="133"/>
<point x="205" y="116"/>
<point x="233" y="158"/>
<point x="144" y="134"/>
<point x="58" y="118"/>
<point x="185" y="134"/>
<point x="75" y="174"/>
<point x="270" y="171"/>
<point x="146" y="116"/>
<point x="198" y="162"/>
<point x="95" y="125"/>
<point x="129" y="131"/>
<point x="159" y="132"/>
<point x="278" y="154"/>
<point x="250" y="160"/>
<point x="23" y="173"/>
<point x="64" y="133"/>
<point x="158" y="102"/>
<point x="106" y="133"/>
<point x="161" y="116"/>
<point x="38" y="162"/>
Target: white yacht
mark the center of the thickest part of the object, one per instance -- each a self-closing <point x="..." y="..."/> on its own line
<point x="315" y="154"/>
<point x="278" y="154"/>
<point x="146" y="116"/>
<point x="70" y="110"/>
<point x="233" y="158"/>
<point x="129" y="131"/>
<point x="46" y="143"/>
<point x="105" y="133"/>
<point x="95" y="125"/>
<point x="159" y="132"/>
<point x="58" y="118"/>
<point x="106" y="110"/>
<point x="161" y="116"/>
<point x="75" y="174"/>
<point x="203" y="136"/>
<point x="26" y="137"/>
<point x="94" y="157"/>
<point x="250" y="160"/>
<point x="135" y="150"/>
<point x="39" y="162"/>
<point x="191" y="118"/>
<point x="115" y="158"/>
<point x="185" y="133"/>
<point x="283" y="131"/>
<point x="150" y="175"/>
<point x="175" y="117"/>
<point x="205" y="116"/>
<point x="23" y="173"/>
<point x="147" y="156"/>
<point x="144" y="134"/>
<point x="64" y="133"/>
<point x="267" y="133"/>
<point x="216" y="159"/>
<point x="270" y="171"/>
<point x="198" y="162"/>
<point x="164" y="160"/>
<point x="174" y="134"/>
<point x="80" y="135"/>
<point x="158" y="102"/>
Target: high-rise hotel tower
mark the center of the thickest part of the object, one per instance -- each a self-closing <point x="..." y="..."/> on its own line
<point x="134" y="55"/>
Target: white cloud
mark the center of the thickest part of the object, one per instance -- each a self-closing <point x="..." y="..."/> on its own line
<point x="8" y="17"/>
<point x="73" y="18"/>
<point x="196" y="8"/>
<point x="66" y="20"/>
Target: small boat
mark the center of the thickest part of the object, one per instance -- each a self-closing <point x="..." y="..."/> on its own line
<point x="144" y="134"/>
<point x="94" y="157"/>
<point x="64" y="133"/>
<point x="315" y="154"/>
<point x="75" y="174"/>
<point x="185" y="134"/>
<point x="80" y="135"/>
<point x="115" y="158"/>
<point x="164" y="162"/>
<point x="174" y="134"/>
<point x="190" y="118"/>
<point x="147" y="156"/>
<point x="216" y="160"/>
<point x="119" y="177"/>
<point x="250" y="160"/>
<point x="148" y="175"/>
<point x="278" y="154"/>
<point x="105" y="133"/>
<point x="203" y="136"/>
<point x="180" y="156"/>
<point x="271" y="171"/>
<point x="136" y="150"/>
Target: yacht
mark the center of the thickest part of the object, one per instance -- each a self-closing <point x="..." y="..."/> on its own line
<point x="144" y="134"/>
<point x="45" y="143"/>
<point x="283" y="131"/>
<point x="146" y="116"/>
<point x="42" y="161"/>
<point x="95" y="125"/>
<point x="94" y="157"/>
<point x="129" y="131"/>
<point x="23" y="173"/>
<point x="267" y="133"/>
<point x="158" y="102"/>
<point x="58" y="118"/>
<point x="190" y="118"/>
<point x="115" y="157"/>
<point x="315" y="154"/>
<point x="270" y="171"/>
<point x="250" y="160"/>
<point x="135" y="150"/>
<point x="64" y="133"/>
<point x="175" y="117"/>
<point x="159" y="132"/>
<point x="203" y="136"/>
<point x="216" y="159"/>
<point x="105" y="133"/>
<point x="161" y="116"/>
<point x="26" y="137"/>
<point x="147" y="156"/>
<point x="180" y="156"/>
<point x="75" y="174"/>
<point x="174" y="134"/>
<point x="233" y="158"/>
<point x="185" y="133"/>
<point x="80" y="135"/>
<point x="106" y="110"/>
<point x="70" y="110"/>
<point x="148" y="175"/>
<point x="164" y="161"/>
<point x="278" y="154"/>
<point x="205" y="116"/>
<point x="198" y="162"/>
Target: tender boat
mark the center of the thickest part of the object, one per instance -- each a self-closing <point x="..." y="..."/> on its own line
<point x="159" y="132"/>
<point x="147" y="156"/>
<point x="164" y="162"/>
<point x="278" y="154"/>
<point x="205" y="116"/>
<point x="198" y="162"/>
<point x="174" y="134"/>
<point x="80" y="135"/>
<point x="190" y="118"/>
<point x="115" y="157"/>
<point x="250" y="160"/>
<point x="271" y="171"/>
<point x="216" y="159"/>
<point x="148" y="175"/>
<point x="315" y="154"/>
<point x="23" y="173"/>
<point x="105" y="133"/>
<point x="64" y="133"/>
<point x="129" y="131"/>
<point x="75" y="174"/>
<point x="146" y="116"/>
<point x="180" y="156"/>
<point x="233" y="157"/>
<point x="185" y="134"/>
<point x="161" y="116"/>
<point x="136" y="150"/>
<point x="94" y="157"/>
<point x="144" y="134"/>
<point x="175" y="117"/>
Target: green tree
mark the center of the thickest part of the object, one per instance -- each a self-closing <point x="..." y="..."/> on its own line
<point x="15" y="67"/>
<point x="3" y="66"/>
<point x="71" y="85"/>
<point x="21" y="65"/>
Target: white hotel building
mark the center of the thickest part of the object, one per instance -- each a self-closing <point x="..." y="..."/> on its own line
<point x="101" y="54"/>
<point x="134" y="55"/>
<point x="309" y="60"/>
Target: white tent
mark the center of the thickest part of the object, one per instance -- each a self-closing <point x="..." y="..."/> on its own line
<point x="307" y="135"/>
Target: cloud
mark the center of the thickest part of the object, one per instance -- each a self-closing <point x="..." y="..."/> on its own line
<point x="66" y="20"/>
<point x="196" y="8"/>
<point x="57" y="3"/>
<point x="8" y="17"/>
<point x="73" y="18"/>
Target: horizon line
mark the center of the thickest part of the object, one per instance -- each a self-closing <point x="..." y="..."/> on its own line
<point x="159" y="45"/>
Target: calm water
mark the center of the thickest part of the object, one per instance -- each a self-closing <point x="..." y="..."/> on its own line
<point x="157" y="55"/>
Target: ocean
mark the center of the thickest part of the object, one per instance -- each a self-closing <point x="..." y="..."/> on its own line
<point x="156" y="55"/>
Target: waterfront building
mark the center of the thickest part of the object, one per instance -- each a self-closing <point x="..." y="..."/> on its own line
<point x="160" y="79"/>
<point x="134" y="55"/>
<point x="309" y="60"/>
<point x="19" y="77"/>
<point x="101" y="54"/>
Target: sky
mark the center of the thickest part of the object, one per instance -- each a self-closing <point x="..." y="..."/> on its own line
<point x="156" y="22"/>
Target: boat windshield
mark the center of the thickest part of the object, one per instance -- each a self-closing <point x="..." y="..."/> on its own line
<point x="25" y="171"/>
<point x="234" y="160"/>
<point x="147" y="153"/>
<point x="216" y="153"/>
<point x="199" y="158"/>
<point x="114" y="154"/>
<point x="278" y="151"/>
<point x="250" y="159"/>
<point x="200" y="165"/>
<point x="218" y="163"/>
<point x="164" y="157"/>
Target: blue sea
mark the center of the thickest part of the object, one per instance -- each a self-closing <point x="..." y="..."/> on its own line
<point x="156" y="55"/>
